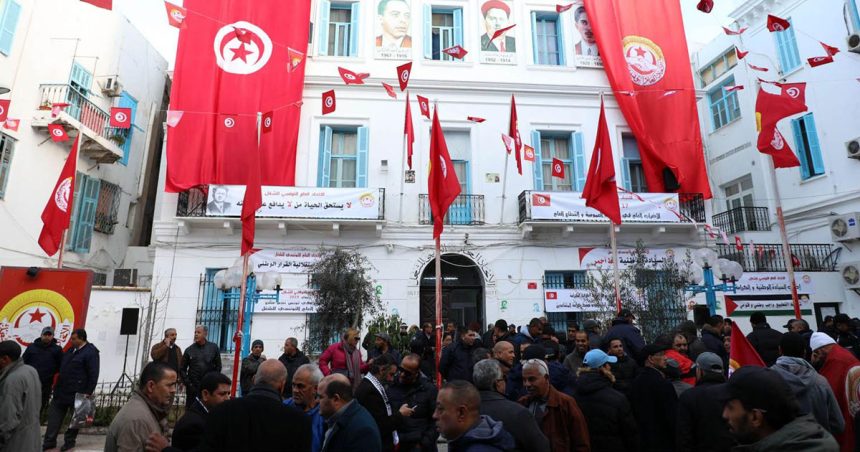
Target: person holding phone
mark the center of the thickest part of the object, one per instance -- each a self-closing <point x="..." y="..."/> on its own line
<point x="414" y="389"/>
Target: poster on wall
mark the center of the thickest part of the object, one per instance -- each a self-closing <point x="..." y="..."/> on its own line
<point x="635" y="207"/>
<point x="290" y="301"/>
<point x="393" y="34"/>
<point x="743" y="305"/>
<point x="585" y="49"/>
<point x="570" y="300"/>
<point x="599" y="257"/>
<point x="293" y="260"/>
<point x="497" y="15"/>
<point x="298" y="202"/>
<point x="32" y="300"/>
<point x="772" y="283"/>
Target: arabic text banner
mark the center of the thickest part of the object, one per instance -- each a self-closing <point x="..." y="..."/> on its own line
<point x="765" y="283"/>
<point x="298" y="202"/>
<point x="635" y="207"/>
<point x="598" y="257"/>
<point x="295" y="300"/>
<point x="297" y="260"/>
<point x="569" y="300"/>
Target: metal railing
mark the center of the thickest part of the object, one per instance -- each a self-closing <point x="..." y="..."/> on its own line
<point x="465" y="210"/>
<point x="83" y="110"/>
<point x="768" y="257"/>
<point x="108" y="402"/>
<point x="742" y="219"/>
<point x="692" y="207"/>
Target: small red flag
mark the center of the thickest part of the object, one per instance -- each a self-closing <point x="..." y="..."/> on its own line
<point x="11" y="124"/>
<point x="508" y="142"/>
<point x="294" y="59"/>
<point x="403" y="73"/>
<point x="328" y="102"/>
<point x="57" y="108"/>
<point x="562" y="8"/>
<point x="770" y="109"/>
<point x="176" y="15"/>
<point x="514" y="132"/>
<point x="776" y="23"/>
<point x="475" y="119"/>
<point x="819" y="61"/>
<point x="731" y="32"/>
<point x="758" y="68"/>
<point x="739" y="245"/>
<point x="58" y="133"/>
<point x="4" y="108"/>
<point x="457" y="52"/>
<point x="120" y="117"/>
<point x="442" y="184"/>
<point x="58" y="210"/>
<point x="106" y="4"/>
<point x="705" y="6"/>
<point x="741" y="54"/>
<point x="601" y="191"/>
<point x="742" y="352"/>
<point x="390" y="90"/>
<point x="409" y="131"/>
<point x="528" y="153"/>
<point x="501" y="31"/>
<point x="541" y="199"/>
<point x="424" y="105"/>
<point x="730" y="89"/>
<point x="173" y="117"/>
<point x="349" y="77"/>
<point x="557" y="168"/>
<point x="829" y="49"/>
<point x="267" y="119"/>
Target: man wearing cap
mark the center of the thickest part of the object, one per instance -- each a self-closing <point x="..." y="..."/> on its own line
<point x="654" y="402"/>
<point x="764" y="339"/>
<point x="611" y="425"/>
<point x="250" y="365"/>
<point x="20" y="395"/>
<point x="381" y="346"/>
<point x="622" y="328"/>
<point x="497" y="15"/>
<point x="762" y="414"/>
<point x="45" y="355"/>
<point x="557" y="414"/>
<point x="701" y="427"/>
<point x="841" y="369"/>
<point x="592" y="327"/>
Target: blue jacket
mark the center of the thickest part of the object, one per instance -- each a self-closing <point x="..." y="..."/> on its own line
<point x="79" y="372"/>
<point x="317" y="424"/>
<point x="354" y="428"/>
<point x="487" y="436"/>
<point x="630" y="337"/>
<point x="45" y="358"/>
<point x="456" y="361"/>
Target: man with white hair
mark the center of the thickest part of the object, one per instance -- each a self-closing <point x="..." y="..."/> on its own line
<point x="305" y="382"/>
<point x="557" y="414"/>
<point x="840" y="368"/>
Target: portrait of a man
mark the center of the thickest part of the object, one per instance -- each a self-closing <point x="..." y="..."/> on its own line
<point x="219" y="204"/>
<point x="588" y="45"/>
<point x="497" y="15"/>
<point x="394" y="18"/>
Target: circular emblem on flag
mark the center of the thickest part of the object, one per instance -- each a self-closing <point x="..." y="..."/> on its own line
<point x="2" y="110"/>
<point x="404" y="76"/>
<point x="177" y="15"/>
<point x="778" y="142"/>
<point x="242" y="48"/>
<point x="61" y="195"/>
<point x="120" y="117"/>
<point x="424" y="105"/>
<point x="558" y="168"/>
<point x="444" y="167"/>
<point x="777" y="27"/>
<point x="27" y="313"/>
<point x="645" y="60"/>
<point x="268" y="122"/>
<point x="329" y="102"/>
<point x="348" y="75"/>
<point x="229" y="123"/>
<point x="793" y="92"/>
<point x="57" y="132"/>
<point x="530" y="153"/>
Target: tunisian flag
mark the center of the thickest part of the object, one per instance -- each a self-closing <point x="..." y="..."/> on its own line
<point x="769" y="110"/>
<point x="742" y="352"/>
<point x="514" y="132"/>
<point x="442" y="185"/>
<point x="58" y="210"/>
<point x="600" y="191"/>
<point x="231" y="60"/>
<point x="644" y="58"/>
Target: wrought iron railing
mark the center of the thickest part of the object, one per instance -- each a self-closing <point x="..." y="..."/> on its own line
<point x="107" y="210"/>
<point x="217" y="312"/>
<point x="768" y="257"/>
<point x="742" y="219"/>
<point x="465" y="210"/>
<point x="691" y="207"/>
<point x="83" y="110"/>
<point x="109" y="397"/>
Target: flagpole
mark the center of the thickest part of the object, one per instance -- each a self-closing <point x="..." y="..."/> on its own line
<point x="616" y="280"/>
<point x="786" y="249"/>
<point x="237" y="337"/>
<point x="62" y="247"/>
<point x="504" y="188"/>
<point x="402" y="174"/>
<point x="438" y="310"/>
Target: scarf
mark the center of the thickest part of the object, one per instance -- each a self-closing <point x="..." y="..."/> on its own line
<point x="353" y="364"/>
<point x="381" y="390"/>
<point x="160" y="413"/>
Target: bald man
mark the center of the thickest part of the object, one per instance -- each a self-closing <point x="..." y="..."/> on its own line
<point x="267" y="424"/>
<point x="503" y="352"/>
<point x="349" y="424"/>
<point x="458" y="418"/>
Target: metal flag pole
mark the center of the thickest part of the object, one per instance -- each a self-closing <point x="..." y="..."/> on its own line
<point x="615" y="276"/>
<point x="62" y="246"/>
<point x="402" y="174"/>
<point x="504" y="188"/>
<point x="438" y="310"/>
<point x="786" y="249"/>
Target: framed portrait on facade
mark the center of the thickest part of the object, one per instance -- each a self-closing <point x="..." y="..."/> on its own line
<point x="497" y="15"/>
<point x="393" y="29"/>
<point x="585" y="49"/>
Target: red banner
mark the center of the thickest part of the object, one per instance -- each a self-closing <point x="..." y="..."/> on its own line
<point x="51" y="297"/>
<point x="649" y="69"/>
<point x="232" y="63"/>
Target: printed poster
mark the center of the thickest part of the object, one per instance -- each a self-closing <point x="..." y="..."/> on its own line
<point x="298" y="202"/>
<point x="585" y="49"/>
<point x="496" y="15"/>
<point x="393" y="29"/>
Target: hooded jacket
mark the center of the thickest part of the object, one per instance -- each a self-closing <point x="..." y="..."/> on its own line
<point x="812" y="391"/>
<point x="801" y="434"/>
<point x="45" y="358"/>
<point x="611" y="425"/>
<point x="486" y="436"/>
<point x="20" y="402"/>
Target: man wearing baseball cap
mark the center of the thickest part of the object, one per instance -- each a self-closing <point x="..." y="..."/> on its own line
<point x="45" y="355"/>
<point x="701" y="427"/>
<point x="837" y="365"/>
<point x="762" y="414"/>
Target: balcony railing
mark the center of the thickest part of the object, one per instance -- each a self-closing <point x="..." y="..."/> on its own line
<point x="465" y="210"/>
<point x="691" y="207"/>
<point x="82" y="110"/>
<point x="769" y="257"/>
<point x="742" y="219"/>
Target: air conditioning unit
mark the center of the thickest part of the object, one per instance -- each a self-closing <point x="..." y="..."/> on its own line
<point x="845" y="227"/>
<point x="112" y="87"/>
<point x="853" y="148"/>
<point x="850" y="272"/>
<point x="853" y="42"/>
<point x="125" y="277"/>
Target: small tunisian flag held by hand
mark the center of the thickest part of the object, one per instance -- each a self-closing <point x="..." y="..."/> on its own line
<point x="514" y="133"/>
<point x="442" y="185"/>
<point x="600" y="191"/>
<point x="742" y="352"/>
<point x="58" y="210"/>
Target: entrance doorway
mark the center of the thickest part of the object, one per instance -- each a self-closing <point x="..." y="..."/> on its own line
<point x="462" y="291"/>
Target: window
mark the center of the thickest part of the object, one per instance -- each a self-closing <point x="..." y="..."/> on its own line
<point x="107" y="209"/>
<point x="718" y="67"/>
<point x="808" y="149"/>
<point x="80" y="81"/>
<point x="632" y="172"/>
<point x="7" y="149"/>
<point x="443" y="28"/>
<point x="343" y="157"/>
<point x="217" y="310"/>
<point x="724" y="105"/>
<point x="338" y="27"/>
<point x="10" y="12"/>
<point x="854" y="13"/>
<point x="786" y="49"/>
<point x="564" y="280"/>
<point x="739" y="193"/>
<point x="126" y="101"/>
<point x="568" y="149"/>
<point x="547" y="39"/>
<point x="83" y="213"/>
<point x="460" y="149"/>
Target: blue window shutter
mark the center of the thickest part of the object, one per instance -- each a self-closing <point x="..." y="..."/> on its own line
<point x="559" y="27"/>
<point x="325" y="10"/>
<point x="458" y="26"/>
<point x="535" y="43"/>
<point x="538" y="164"/>
<point x="625" y="174"/>
<point x="82" y="78"/>
<point x="361" y="165"/>
<point x="578" y="155"/>
<point x="791" y="48"/>
<point x="428" y="31"/>
<point x="126" y="101"/>
<point x="8" y="22"/>
<point x="854" y="13"/>
<point x="354" y="19"/>
<point x="88" y="190"/>
<point x="814" y="146"/>
<point x="801" y="148"/>
<point x="324" y="168"/>
<point x="72" y="237"/>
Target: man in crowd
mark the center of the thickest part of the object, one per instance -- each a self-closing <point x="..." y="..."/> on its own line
<point x="695" y="346"/>
<point x="623" y="328"/>
<point x="292" y="359"/>
<point x="348" y="424"/>
<point x="503" y="352"/>
<point x="458" y="418"/>
<point x="498" y="333"/>
<point x="557" y="414"/>
<point x="167" y="351"/>
<point x="592" y="327"/>
<point x="679" y="353"/>
<point x="423" y="344"/>
<point x="573" y="360"/>
<point x="45" y="355"/>
<point x="764" y="339"/>
<point x="654" y="402"/>
<point x="382" y="346"/>
<point x="712" y="337"/>
<point x="394" y="18"/>
<point x="79" y="373"/>
<point x="588" y="45"/>
<point x="624" y="368"/>
<point x="267" y="424"/>
<point x="250" y="365"/>
<point x="529" y="335"/>
<point x="145" y="413"/>
<point x="813" y="393"/>
<point x="701" y="427"/>
<point x="844" y="335"/>
<point x="20" y="398"/>
<point x="416" y="432"/>
<point x="836" y="365"/>
<point x="514" y="387"/>
<point x="188" y="433"/>
<point x="515" y="419"/>
<point x="304" y="397"/>
<point x="200" y="358"/>
<point x="372" y="395"/>
<point x="456" y="362"/>
<point x="762" y="414"/>
<point x="801" y="327"/>
<point x="559" y="376"/>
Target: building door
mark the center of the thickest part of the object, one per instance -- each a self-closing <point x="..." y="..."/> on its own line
<point x="462" y="291"/>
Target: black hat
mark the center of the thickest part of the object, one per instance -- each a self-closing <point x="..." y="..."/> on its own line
<point x="758" y="387"/>
<point x="534" y="351"/>
<point x="653" y="348"/>
<point x="788" y="324"/>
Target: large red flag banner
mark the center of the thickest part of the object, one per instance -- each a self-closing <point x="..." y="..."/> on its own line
<point x="648" y="67"/>
<point x="443" y="187"/>
<point x="232" y="63"/>
<point x="58" y="210"/>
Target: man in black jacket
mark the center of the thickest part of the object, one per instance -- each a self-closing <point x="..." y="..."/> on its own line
<point x="371" y="394"/>
<point x="349" y="424"/>
<point x="250" y="365"/>
<point x="624" y="368"/>
<point x="712" y="337"/>
<point x="701" y="427"/>
<point x="200" y="358"/>
<point x="611" y="425"/>
<point x="654" y="402"/>
<point x="292" y="359"/>
<point x="764" y="339"/>
<point x="456" y="362"/>
<point x="214" y="390"/>
<point x="417" y="432"/>
<point x="45" y="355"/>
<point x="424" y="345"/>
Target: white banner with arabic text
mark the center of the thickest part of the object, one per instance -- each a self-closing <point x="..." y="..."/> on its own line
<point x="298" y="202"/>
<point x="569" y="300"/>
<point x="635" y="207"/>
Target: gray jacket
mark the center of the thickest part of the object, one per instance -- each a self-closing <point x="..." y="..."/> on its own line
<point x="813" y="392"/>
<point x="517" y="420"/>
<point x="132" y="426"/>
<point x="20" y="402"/>
<point x="801" y="434"/>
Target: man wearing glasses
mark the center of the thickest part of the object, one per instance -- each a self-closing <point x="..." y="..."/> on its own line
<point x="45" y="355"/>
<point x="414" y="389"/>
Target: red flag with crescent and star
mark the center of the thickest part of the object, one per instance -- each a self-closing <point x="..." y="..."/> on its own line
<point x="601" y="191"/>
<point x="58" y="210"/>
<point x="643" y="56"/>
<point x="404" y="71"/>
<point x="770" y="108"/>
<point x="443" y="187"/>
<point x="514" y="132"/>
<point x="120" y="117"/>
<point x="4" y="109"/>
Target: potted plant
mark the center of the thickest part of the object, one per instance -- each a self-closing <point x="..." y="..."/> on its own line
<point x="119" y="140"/>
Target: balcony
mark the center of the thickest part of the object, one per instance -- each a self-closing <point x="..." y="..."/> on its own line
<point x="99" y="141"/>
<point x="741" y="219"/>
<point x="769" y="257"/>
<point x="466" y="210"/>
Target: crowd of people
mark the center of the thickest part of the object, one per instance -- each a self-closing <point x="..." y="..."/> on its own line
<point x="598" y="388"/>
